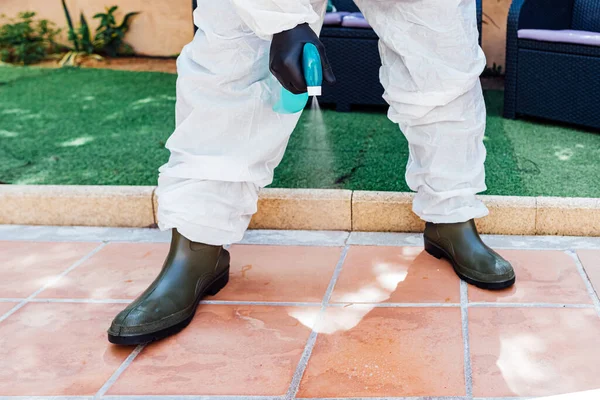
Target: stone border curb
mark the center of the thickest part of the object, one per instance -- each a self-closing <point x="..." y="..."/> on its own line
<point x="294" y="209"/>
<point x="115" y="206"/>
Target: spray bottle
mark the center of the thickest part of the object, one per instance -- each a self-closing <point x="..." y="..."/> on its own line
<point x="286" y="102"/>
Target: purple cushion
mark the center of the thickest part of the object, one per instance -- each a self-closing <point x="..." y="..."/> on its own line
<point x="334" y="18"/>
<point x="562" y="36"/>
<point x="355" y="20"/>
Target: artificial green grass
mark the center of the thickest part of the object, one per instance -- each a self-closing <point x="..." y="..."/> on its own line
<point x="104" y="127"/>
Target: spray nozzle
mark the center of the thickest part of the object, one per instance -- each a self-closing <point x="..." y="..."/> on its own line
<point x="313" y="70"/>
<point x="286" y="102"/>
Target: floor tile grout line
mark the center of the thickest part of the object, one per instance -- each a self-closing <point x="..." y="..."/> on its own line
<point x="527" y="305"/>
<point x="189" y="397"/>
<point x="586" y="279"/>
<point x="312" y="338"/>
<point x="205" y="302"/>
<point x="390" y="398"/>
<point x="263" y="303"/>
<point x="315" y="304"/>
<point x="334" y="278"/>
<point x="117" y="235"/>
<point x="111" y="381"/>
<point x="395" y="305"/>
<point x="464" y="315"/>
<point x="46" y="397"/>
<point x="81" y="301"/>
<point x="302" y="364"/>
<point x="243" y="397"/>
<point x="506" y="398"/>
<point x="52" y="282"/>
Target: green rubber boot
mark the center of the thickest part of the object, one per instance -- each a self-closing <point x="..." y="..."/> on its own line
<point x="473" y="261"/>
<point x="190" y="272"/>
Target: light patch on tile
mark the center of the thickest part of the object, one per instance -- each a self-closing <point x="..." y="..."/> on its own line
<point x="394" y="275"/>
<point x="258" y="325"/>
<point x="516" y="361"/>
<point x="533" y="352"/>
<point x="387" y="278"/>
<point x="306" y="316"/>
<point x="80" y="141"/>
<point x="343" y="319"/>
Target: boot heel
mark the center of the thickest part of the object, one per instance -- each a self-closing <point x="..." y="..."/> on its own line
<point x="218" y="284"/>
<point x="433" y="250"/>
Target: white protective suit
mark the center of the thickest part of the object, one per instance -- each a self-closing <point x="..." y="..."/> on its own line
<point x="228" y="139"/>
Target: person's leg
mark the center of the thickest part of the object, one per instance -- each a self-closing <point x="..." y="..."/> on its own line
<point x="228" y="140"/>
<point x="431" y="66"/>
<point x="226" y="144"/>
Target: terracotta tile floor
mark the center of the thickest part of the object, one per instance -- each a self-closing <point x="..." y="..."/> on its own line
<point x="302" y="321"/>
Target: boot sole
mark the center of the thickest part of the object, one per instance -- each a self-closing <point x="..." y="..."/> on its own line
<point x="440" y="253"/>
<point x="215" y="287"/>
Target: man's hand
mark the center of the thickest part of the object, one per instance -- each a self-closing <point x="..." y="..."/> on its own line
<point x="286" y="58"/>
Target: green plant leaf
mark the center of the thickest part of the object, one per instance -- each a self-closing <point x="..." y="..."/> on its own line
<point x="72" y="34"/>
<point x="86" y="36"/>
<point x="126" y="21"/>
<point x="25" y="40"/>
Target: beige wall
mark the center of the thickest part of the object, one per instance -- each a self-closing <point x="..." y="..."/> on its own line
<point x="164" y="26"/>
<point x="495" y="16"/>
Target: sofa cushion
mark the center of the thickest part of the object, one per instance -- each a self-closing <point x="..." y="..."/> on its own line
<point x="355" y="20"/>
<point x="334" y="18"/>
<point x="561" y="36"/>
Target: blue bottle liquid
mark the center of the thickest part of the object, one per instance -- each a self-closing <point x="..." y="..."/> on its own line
<point x="289" y="103"/>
